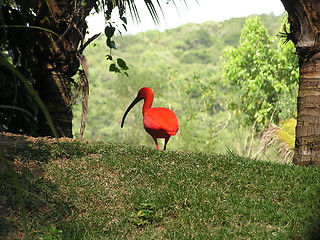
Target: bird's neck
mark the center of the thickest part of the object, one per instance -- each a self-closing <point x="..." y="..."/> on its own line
<point x="147" y="105"/>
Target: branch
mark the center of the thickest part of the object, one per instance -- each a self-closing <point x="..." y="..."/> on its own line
<point x="88" y="42"/>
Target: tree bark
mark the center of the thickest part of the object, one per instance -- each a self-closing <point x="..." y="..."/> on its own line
<point x="308" y="123"/>
<point x="304" y="18"/>
<point x="55" y="92"/>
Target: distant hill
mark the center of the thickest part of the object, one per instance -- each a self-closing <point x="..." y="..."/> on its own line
<point x="194" y="43"/>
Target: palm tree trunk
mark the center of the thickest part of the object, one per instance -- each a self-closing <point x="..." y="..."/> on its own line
<point x="304" y="33"/>
<point x="307" y="149"/>
<point x="54" y="91"/>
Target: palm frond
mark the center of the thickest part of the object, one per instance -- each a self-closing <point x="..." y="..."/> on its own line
<point x="18" y="109"/>
<point x="154" y="6"/>
<point x="134" y="11"/>
<point x="283" y="136"/>
<point x="152" y="10"/>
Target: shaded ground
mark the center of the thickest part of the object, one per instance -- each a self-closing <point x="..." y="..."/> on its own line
<point x="12" y="141"/>
<point x="17" y="150"/>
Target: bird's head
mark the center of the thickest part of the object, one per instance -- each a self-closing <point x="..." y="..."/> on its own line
<point x="143" y="93"/>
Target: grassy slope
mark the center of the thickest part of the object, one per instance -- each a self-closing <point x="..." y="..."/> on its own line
<point x="82" y="190"/>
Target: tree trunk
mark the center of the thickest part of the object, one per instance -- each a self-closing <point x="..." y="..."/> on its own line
<point x="304" y="18"/>
<point x="308" y="123"/>
<point x="57" y="56"/>
<point x="55" y="93"/>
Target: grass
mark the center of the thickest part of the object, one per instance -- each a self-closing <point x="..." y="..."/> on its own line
<point x="94" y="190"/>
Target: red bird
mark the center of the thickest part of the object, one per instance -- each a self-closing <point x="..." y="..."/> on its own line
<point x="158" y="122"/>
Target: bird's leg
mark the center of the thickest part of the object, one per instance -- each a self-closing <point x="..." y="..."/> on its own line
<point x="156" y="142"/>
<point x="166" y="140"/>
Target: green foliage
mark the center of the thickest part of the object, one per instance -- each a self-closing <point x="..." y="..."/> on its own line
<point x="109" y="32"/>
<point x="198" y="39"/>
<point x="118" y="66"/>
<point x="264" y="79"/>
<point x="52" y="234"/>
<point x="92" y="190"/>
<point x="146" y="213"/>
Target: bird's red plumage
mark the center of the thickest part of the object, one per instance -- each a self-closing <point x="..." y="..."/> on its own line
<point x="158" y="122"/>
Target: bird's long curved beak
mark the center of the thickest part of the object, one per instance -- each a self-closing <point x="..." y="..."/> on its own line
<point x="134" y="102"/>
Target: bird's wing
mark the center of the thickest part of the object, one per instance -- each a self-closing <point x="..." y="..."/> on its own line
<point x="161" y="119"/>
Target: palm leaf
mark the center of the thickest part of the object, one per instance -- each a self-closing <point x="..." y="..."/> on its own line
<point x="283" y="136"/>
<point x="19" y="109"/>
<point x="154" y="6"/>
<point x="31" y="27"/>
<point x="134" y="11"/>
<point x="287" y="132"/>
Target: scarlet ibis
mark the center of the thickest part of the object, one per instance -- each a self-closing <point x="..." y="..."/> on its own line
<point x="158" y="122"/>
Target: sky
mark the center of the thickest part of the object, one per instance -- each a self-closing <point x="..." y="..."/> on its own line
<point x="204" y="10"/>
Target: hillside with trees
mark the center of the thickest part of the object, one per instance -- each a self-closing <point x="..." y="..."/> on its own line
<point x="189" y="70"/>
